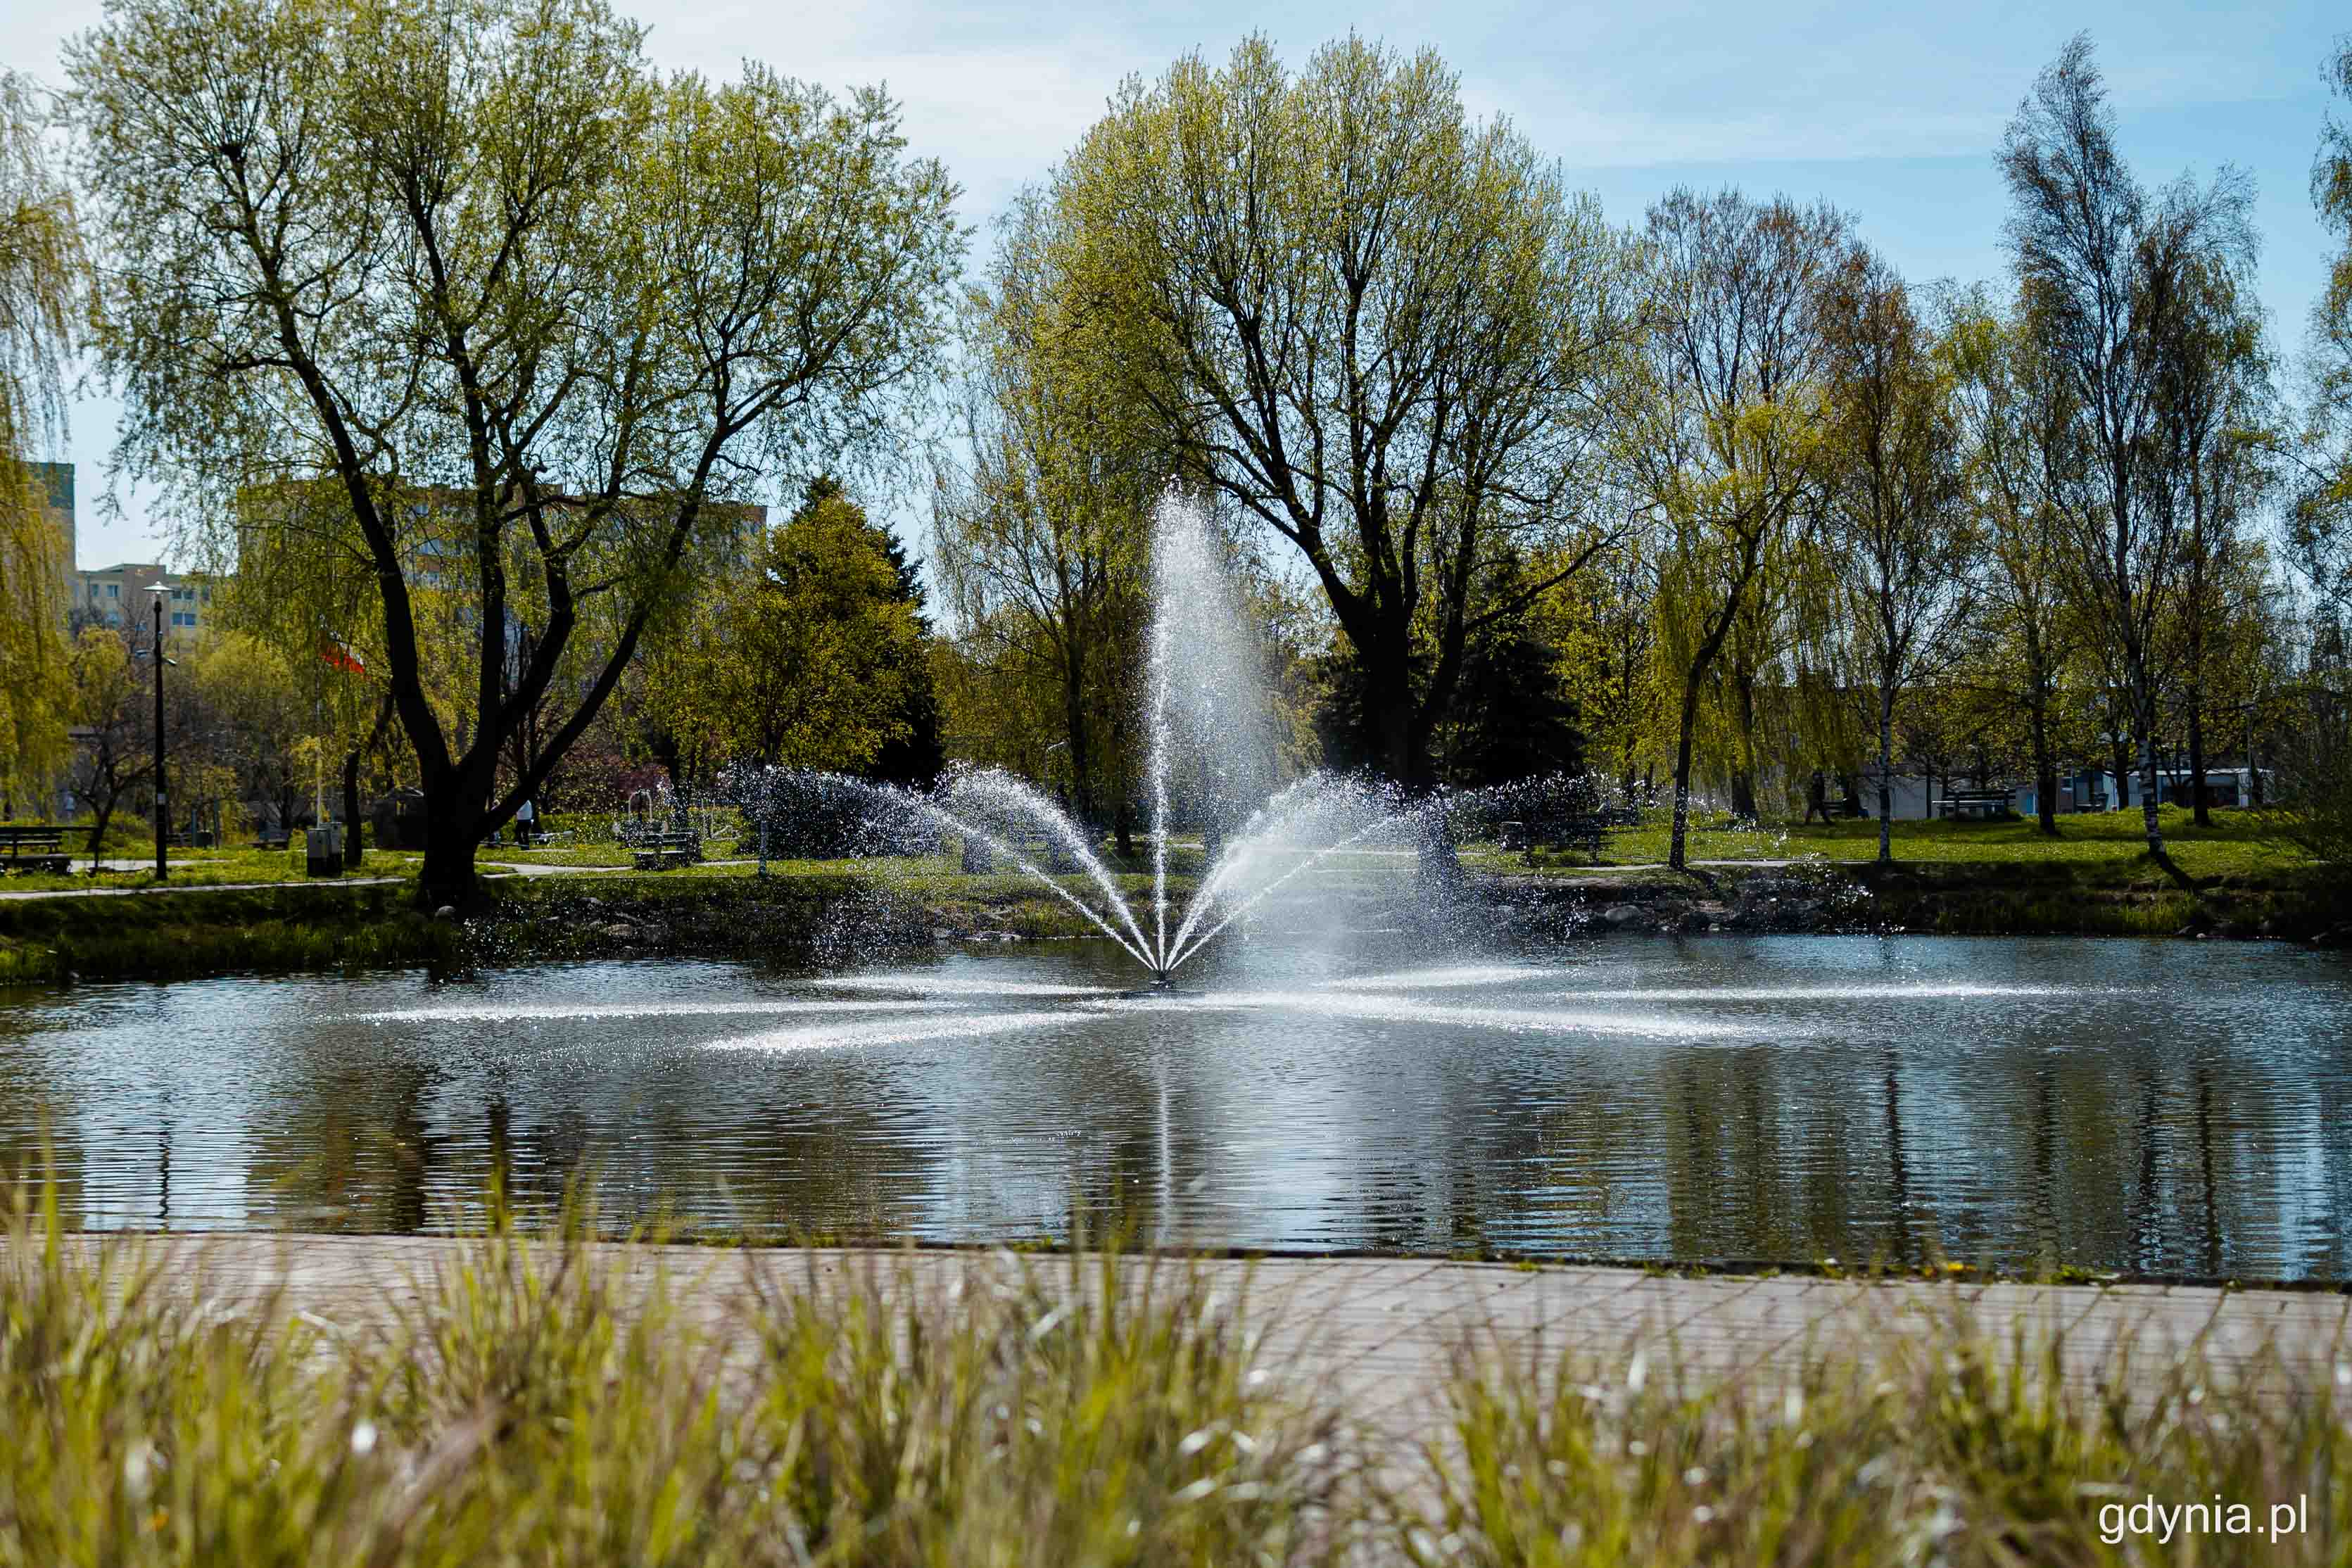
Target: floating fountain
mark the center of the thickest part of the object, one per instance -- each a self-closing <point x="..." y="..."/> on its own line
<point x="1210" y="747"/>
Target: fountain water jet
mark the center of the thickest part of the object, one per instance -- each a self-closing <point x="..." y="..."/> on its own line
<point x="1205" y="716"/>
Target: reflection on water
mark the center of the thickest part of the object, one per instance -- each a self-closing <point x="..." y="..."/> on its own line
<point x="2150" y="1106"/>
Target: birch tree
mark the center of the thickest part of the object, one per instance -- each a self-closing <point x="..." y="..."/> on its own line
<point x="1907" y="555"/>
<point x="2106" y="273"/>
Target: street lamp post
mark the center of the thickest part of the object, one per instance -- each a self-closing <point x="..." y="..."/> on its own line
<point x="163" y="796"/>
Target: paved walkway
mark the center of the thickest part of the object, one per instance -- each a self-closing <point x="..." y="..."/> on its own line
<point x="490" y="870"/>
<point x="1380" y="1336"/>
<point x="170" y="889"/>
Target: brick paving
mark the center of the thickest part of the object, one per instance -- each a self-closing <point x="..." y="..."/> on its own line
<point x="1380" y="1336"/>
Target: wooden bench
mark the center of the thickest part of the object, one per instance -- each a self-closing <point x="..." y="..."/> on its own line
<point x="272" y="838"/>
<point x="36" y="846"/>
<point x="666" y="851"/>
<point x="1560" y="834"/>
<point x="1977" y="805"/>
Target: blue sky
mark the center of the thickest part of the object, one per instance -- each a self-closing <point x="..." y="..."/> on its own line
<point x="1891" y="113"/>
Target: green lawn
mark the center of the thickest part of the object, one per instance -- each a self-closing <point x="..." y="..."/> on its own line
<point x="2239" y="844"/>
<point x="201" y="869"/>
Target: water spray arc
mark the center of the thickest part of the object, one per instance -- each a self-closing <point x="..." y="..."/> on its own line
<point x="1205" y="707"/>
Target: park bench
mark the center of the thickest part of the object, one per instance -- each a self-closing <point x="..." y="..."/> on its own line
<point x="1559" y="834"/>
<point x="666" y="851"/>
<point x="272" y="838"/>
<point x="36" y="847"/>
<point x="1977" y="805"/>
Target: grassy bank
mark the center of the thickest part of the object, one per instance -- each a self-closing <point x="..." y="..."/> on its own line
<point x="165" y="936"/>
<point x="806" y="910"/>
<point x="536" y="1403"/>
<point x="1988" y="878"/>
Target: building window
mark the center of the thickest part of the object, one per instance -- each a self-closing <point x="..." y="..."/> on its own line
<point x="113" y="590"/>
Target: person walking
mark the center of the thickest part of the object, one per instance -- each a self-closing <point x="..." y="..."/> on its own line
<point x="524" y="816"/>
<point x="1817" y="798"/>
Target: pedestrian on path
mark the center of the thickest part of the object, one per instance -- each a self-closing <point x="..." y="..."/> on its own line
<point x="1817" y="798"/>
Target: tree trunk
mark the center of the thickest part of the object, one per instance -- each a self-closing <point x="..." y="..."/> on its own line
<point x="1403" y="751"/>
<point x="1677" y="844"/>
<point x="1885" y="775"/>
<point x="97" y="833"/>
<point x="2202" y="809"/>
<point x="2045" y="766"/>
<point x="453" y="830"/>
<point x="1743" y="778"/>
<point x="352" y="852"/>
<point x="2147" y="790"/>
<point x="1123" y="826"/>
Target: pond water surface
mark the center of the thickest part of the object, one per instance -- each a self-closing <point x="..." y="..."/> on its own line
<point x="2151" y="1106"/>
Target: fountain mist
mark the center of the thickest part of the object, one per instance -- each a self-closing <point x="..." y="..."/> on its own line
<point x="1210" y="762"/>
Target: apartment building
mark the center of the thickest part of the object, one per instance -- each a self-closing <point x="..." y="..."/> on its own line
<point x="119" y="596"/>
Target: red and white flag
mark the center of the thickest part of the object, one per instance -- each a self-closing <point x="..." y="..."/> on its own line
<point x="340" y="655"/>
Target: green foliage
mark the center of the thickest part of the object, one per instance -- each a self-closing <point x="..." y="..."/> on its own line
<point x="2320" y="525"/>
<point x="526" y="307"/>
<point x="1382" y="330"/>
<point x="807" y="658"/>
<point x="44" y="281"/>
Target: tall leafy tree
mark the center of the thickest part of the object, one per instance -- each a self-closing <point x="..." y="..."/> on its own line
<point x="2107" y="274"/>
<point x="533" y="309"/>
<point x="1383" y="331"/>
<point x="1907" y="552"/>
<point x="1728" y="444"/>
<point x="2322" y="518"/>
<point x="44" y="295"/>
<point x="2211" y="466"/>
<point x="1045" y="540"/>
<point x="803" y="660"/>
<point x="2014" y="425"/>
<point x="115" y="752"/>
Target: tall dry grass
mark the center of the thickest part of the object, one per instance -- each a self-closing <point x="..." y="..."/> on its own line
<point x="542" y="1399"/>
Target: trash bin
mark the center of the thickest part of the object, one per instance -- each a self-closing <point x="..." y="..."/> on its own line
<point x="325" y="857"/>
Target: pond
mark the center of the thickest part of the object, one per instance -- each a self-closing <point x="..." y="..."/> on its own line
<point x="2159" y="1107"/>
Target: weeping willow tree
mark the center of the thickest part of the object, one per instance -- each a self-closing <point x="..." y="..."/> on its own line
<point x="1727" y="446"/>
<point x="43" y="290"/>
<point x="546" y="316"/>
